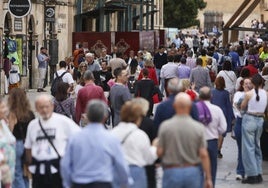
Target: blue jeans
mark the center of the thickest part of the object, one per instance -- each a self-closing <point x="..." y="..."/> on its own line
<point x="251" y="152"/>
<point x="182" y="177"/>
<point x="19" y="181"/>
<point x="238" y="137"/>
<point x="213" y="153"/>
<point x="139" y="177"/>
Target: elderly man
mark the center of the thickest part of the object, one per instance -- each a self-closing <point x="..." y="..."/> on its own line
<point x="215" y="127"/>
<point x="90" y="165"/>
<point x="117" y="62"/>
<point x="182" y="147"/>
<point x="45" y="143"/>
<point x="92" y="65"/>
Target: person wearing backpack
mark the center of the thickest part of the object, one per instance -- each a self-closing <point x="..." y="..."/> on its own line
<point x="62" y="76"/>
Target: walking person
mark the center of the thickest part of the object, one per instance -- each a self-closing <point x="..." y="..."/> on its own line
<point x="252" y="125"/>
<point x="20" y="114"/>
<point x="43" y="59"/>
<point x="245" y="86"/>
<point x="45" y="143"/>
<point x="182" y="148"/>
<point x="106" y="157"/>
<point x="136" y="144"/>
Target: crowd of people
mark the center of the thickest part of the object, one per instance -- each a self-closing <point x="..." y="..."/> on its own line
<point x="98" y="127"/>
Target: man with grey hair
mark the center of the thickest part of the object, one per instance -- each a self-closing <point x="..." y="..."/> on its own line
<point x="91" y="63"/>
<point x="96" y="163"/>
<point x="165" y="109"/>
<point x="45" y="143"/>
<point x="88" y="92"/>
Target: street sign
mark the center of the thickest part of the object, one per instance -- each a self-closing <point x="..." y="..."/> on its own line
<point x="19" y="8"/>
<point x="50" y="13"/>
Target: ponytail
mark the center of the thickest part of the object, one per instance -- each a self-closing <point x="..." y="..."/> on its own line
<point x="257" y="93"/>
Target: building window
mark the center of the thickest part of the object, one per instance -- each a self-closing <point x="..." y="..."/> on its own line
<point x="18" y="24"/>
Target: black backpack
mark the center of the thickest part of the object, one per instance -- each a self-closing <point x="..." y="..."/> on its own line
<point x="55" y="83"/>
<point x="131" y="84"/>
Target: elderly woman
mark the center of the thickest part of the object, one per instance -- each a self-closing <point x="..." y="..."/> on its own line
<point x="136" y="144"/>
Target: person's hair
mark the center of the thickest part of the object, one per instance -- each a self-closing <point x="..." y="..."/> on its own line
<point x="88" y="75"/>
<point x="81" y="65"/>
<point x="227" y="65"/>
<point x="62" y="64"/>
<point x="19" y="104"/>
<point x="173" y="85"/>
<point x="203" y="52"/>
<point x="177" y="58"/>
<point x="80" y="45"/>
<point x="199" y="61"/>
<point x="170" y="58"/>
<point x="220" y="83"/>
<point x="265" y="71"/>
<point x="245" y="73"/>
<point x="61" y="93"/>
<point x="160" y="47"/>
<point x="257" y="81"/>
<point x="89" y="54"/>
<point x="241" y="88"/>
<point x="143" y="103"/>
<point x="189" y="53"/>
<point x="117" y="72"/>
<point x="205" y="94"/>
<point x="133" y="66"/>
<point x="145" y="72"/>
<point x="131" y="112"/>
<point x="96" y="111"/>
<point x="183" y="60"/>
<point x="184" y="84"/>
<point x="148" y="63"/>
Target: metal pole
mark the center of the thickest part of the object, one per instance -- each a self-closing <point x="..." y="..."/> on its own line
<point x="45" y="37"/>
<point x="141" y="15"/>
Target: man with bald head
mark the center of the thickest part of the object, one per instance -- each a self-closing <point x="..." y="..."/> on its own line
<point x="45" y="143"/>
<point x="182" y="148"/>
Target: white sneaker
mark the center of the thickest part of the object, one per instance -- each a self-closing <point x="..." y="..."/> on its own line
<point x="238" y="177"/>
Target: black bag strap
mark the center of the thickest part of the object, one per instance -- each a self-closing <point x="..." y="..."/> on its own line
<point x="51" y="143"/>
<point x="57" y="76"/>
<point x="128" y="134"/>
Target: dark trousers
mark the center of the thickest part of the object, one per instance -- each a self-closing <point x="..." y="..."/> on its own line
<point x="213" y="153"/>
<point x="92" y="185"/>
<point x="150" y="172"/>
<point x="238" y="137"/>
<point x="41" y="181"/>
<point x="166" y="84"/>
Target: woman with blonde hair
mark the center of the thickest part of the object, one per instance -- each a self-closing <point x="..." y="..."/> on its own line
<point x="136" y="144"/>
<point x="20" y="115"/>
<point x="189" y="89"/>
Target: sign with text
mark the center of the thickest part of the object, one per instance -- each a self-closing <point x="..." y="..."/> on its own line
<point x="19" y="8"/>
<point x="50" y="14"/>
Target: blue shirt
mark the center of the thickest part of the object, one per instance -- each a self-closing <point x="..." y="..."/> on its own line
<point x="93" y="155"/>
<point x="184" y="71"/>
<point x="41" y="60"/>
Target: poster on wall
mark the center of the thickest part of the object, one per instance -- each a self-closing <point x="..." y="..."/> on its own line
<point x="22" y="53"/>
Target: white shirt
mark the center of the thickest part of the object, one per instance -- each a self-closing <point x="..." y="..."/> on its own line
<point x="67" y="77"/>
<point x="59" y="128"/>
<point x="218" y="124"/>
<point x="255" y="106"/>
<point x="137" y="148"/>
<point x="230" y="80"/>
<point x="237" y="96"/>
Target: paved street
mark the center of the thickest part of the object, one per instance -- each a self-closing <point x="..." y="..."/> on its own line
<point x="226" y="166"/>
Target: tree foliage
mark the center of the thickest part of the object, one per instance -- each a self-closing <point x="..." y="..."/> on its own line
<point x="182" y="13"/>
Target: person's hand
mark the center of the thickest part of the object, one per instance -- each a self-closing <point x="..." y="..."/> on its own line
<point x="208" y="183"/>
<point x="192" y="86"/>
